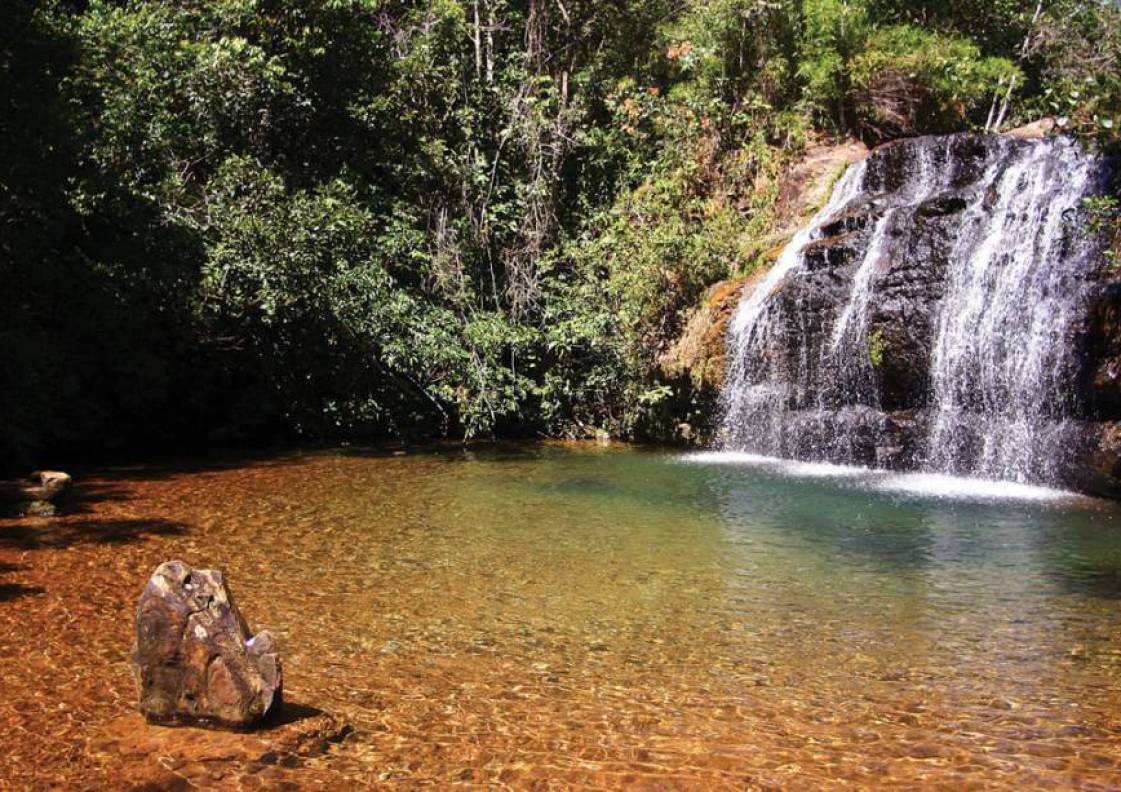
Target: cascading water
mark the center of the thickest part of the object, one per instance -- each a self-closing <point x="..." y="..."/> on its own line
<point x="755" y="327"/>
<point x="929" y="317"/>
<point x="1002" y="370"/>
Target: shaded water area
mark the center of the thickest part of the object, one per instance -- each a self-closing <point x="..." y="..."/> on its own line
<point x="599" y="617"/>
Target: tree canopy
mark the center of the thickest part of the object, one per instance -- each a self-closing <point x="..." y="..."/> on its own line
<point x="259" y="220"/>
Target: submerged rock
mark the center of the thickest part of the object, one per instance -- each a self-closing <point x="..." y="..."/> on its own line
<point x="165" y="759"/>
<point x="195" y="660"/>
<point x="42" y="493"/>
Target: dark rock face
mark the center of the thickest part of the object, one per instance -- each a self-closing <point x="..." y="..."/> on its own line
<point x="195" y="660"/>
<point x="1101" y="471"/>
<point x="851" y="355"/>
<point x="42" y="493"/>
<point x="1102" y="349"/>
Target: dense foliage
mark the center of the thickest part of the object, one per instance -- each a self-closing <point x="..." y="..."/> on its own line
<point x="253" y="220"/>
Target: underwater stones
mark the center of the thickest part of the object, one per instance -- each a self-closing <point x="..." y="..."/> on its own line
<point x="273" y="758"/>
<point x="195" y="659"/>
<point x="42" y="493"/>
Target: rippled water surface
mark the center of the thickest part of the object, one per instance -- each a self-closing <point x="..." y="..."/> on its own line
<point x="596" y="617"/>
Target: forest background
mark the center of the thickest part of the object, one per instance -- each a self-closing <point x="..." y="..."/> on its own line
<point x="268" y="221"/>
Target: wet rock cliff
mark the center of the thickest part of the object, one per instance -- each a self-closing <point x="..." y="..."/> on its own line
<point x="949" y="309"/>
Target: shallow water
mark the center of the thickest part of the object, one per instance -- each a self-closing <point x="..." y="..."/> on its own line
<point x="599" y="617"/>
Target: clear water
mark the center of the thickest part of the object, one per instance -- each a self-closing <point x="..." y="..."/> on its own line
<point x="598" y="616"/>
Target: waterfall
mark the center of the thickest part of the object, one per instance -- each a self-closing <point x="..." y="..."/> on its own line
<point x="1002" y="370"/>
<point x="750" y="402"/>
<point x="928" y="317"/>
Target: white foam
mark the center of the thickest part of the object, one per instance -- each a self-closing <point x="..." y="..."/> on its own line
<point x="926" y="485"/>
<point x="792" y="467"/>
<point x="938" y="485"/>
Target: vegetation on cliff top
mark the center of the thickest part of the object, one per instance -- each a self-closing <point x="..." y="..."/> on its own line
<point x="249" y="220"/>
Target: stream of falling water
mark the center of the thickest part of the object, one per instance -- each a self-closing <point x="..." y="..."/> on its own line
<point x="754" y="324"/>
<point x="801" y="382"/>
<point x="1001" y="368"/>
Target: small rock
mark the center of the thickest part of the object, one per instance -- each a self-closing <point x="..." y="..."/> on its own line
<point x="52" y="485"/>
<point x="39" y="494"/>
<point x="195" y="660"/>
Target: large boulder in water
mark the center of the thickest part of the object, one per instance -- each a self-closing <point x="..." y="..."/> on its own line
<point x="195" y="660"/>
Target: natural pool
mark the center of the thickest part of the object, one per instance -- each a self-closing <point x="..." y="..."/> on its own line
<point x="511" y="615"/>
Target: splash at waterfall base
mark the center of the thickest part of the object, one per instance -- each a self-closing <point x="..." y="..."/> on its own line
<point x="947" y="310"/>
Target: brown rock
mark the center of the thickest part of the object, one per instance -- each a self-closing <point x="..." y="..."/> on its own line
<point x="50" y="485"/>
<point x="195" y="660"/>
<point x="1033" y="131"/>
